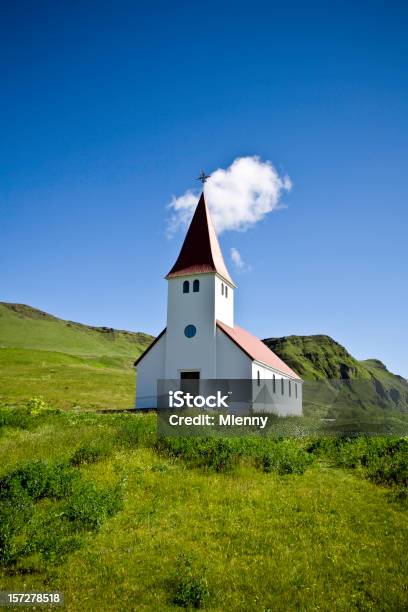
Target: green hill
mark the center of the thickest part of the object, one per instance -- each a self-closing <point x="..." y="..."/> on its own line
<point x="25" y="327"/>
<point x="66" y="362"/>
<point x="71" y="364"/>
<point x="368" y="384"/>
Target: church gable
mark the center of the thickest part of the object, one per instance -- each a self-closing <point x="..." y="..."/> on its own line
<point x="144" y="354"/>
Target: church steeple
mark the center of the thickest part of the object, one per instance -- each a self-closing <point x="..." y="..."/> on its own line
<point x="201" y="251"/>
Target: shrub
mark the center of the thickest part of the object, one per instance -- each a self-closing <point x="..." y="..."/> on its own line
<point x="191" y="588"/>
<point x="134" y="430"/>
<point x="14" y="417"/>
<point x="52" y="538"/>
<point x="399" y="495"/>
<point x="285" y="458"/>
<point x="51" y="530"/>
<point x="384" y="460"/>
<point x="36" y="405"/>
<point x="218" y="454"/>
<point x="90" y="453"/>
<point x="389" y="470"/>
<point x="88" y="507"/>
<point x="18" y="491"/>
<point x="38" y="479"/>
<point x="13" y="519"/>
<point x="215" y="453"/>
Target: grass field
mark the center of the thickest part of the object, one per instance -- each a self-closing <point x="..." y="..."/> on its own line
<point x="95" y="506"/>
<point x="76" y="365"/>
<point x="228" y="525"/>
<point x="67" y="363"/>
<point x="65" y="380"/>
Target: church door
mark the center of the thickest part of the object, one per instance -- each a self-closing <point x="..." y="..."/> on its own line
<point x="190" y="382"/>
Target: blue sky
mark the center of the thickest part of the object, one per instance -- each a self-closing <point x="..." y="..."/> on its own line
<point x="110" y="108"/>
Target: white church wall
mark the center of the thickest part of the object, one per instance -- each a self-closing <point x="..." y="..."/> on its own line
<point x="232" y="362"/>
<point x="197" y="353"/>
<point x="224" y="302"/>
<point x="149" y="370"/>
<point x="287" y="399"/>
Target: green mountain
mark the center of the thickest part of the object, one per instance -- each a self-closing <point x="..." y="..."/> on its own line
<point x="367" y="383"/>
<point x="66" y="362"/>
<point x="22" y="326"/>
<point x="71" y="364"/>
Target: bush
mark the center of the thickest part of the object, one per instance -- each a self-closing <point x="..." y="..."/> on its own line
<point x="389" y="470"/>
<point x="134" y="430"/>
<point x="285" y="458"/>
<point x="222" y="454"/>
<point x="384" y="460"/>
<point x="14" y="417"/>
<point x="18" y="492"/>
<point x="52" y="537"/>
<point x="13" y="520"/>
<point x="50" y="530"/>
<point x="191" y="588"/>
<point x="88" y="507"/>
<point x="36" y="405"/>
<point x="219" y="454"/>
<point x="90" y="453"/>
<point x="37" y="479"/>
<point x="399" y="495"/>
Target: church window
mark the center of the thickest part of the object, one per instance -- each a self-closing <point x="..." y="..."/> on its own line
<point x="296" y="390"/>
<point x="196" y="286"/>
<point x="290" y="389"/>
<point x="226" y="291"/>
<point x="274" y="383"/>
<point x="222" y="288"/>
<point x="190" y="331"/>
<point x="282" y="386"/>
<point x="186" y="287"/>
<point x="259" y="378"/>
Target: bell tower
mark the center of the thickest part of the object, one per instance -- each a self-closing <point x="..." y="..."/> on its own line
<point x="200" y="292"/>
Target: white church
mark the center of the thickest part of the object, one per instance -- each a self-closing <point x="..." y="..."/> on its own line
<point x="201" y="340"/>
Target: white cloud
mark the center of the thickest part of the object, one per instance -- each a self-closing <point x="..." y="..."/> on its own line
<point x="238" y="197"/>
<point x="236" y="258"/>
<point x="238" y="262"/>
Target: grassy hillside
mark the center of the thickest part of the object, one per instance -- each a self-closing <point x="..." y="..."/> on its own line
<point x="71" y="364"/>
<point x="97" y="507"/>
<point x="322" y="358"/>
<point x="93" y="506"/>
<point x="68" y="363"/>
<point x="25" y="327"/>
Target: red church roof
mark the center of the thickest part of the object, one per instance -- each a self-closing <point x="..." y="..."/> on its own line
<point x="256" y="349"/>
<point x="201" y="252"/>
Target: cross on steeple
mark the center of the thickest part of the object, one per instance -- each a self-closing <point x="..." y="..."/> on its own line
<point x="203" y="177"/>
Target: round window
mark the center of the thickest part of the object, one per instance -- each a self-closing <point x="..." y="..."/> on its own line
<point x="190" y="331"/>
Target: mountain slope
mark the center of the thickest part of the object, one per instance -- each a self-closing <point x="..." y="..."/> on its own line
<point x="22" y="326"/>
<point x="74" y="364"/>
<point x="67" y="363"/>
<point x="321" y="358"/>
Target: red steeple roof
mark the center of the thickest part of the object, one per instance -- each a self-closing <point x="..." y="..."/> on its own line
<point x="201" y="252"/>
